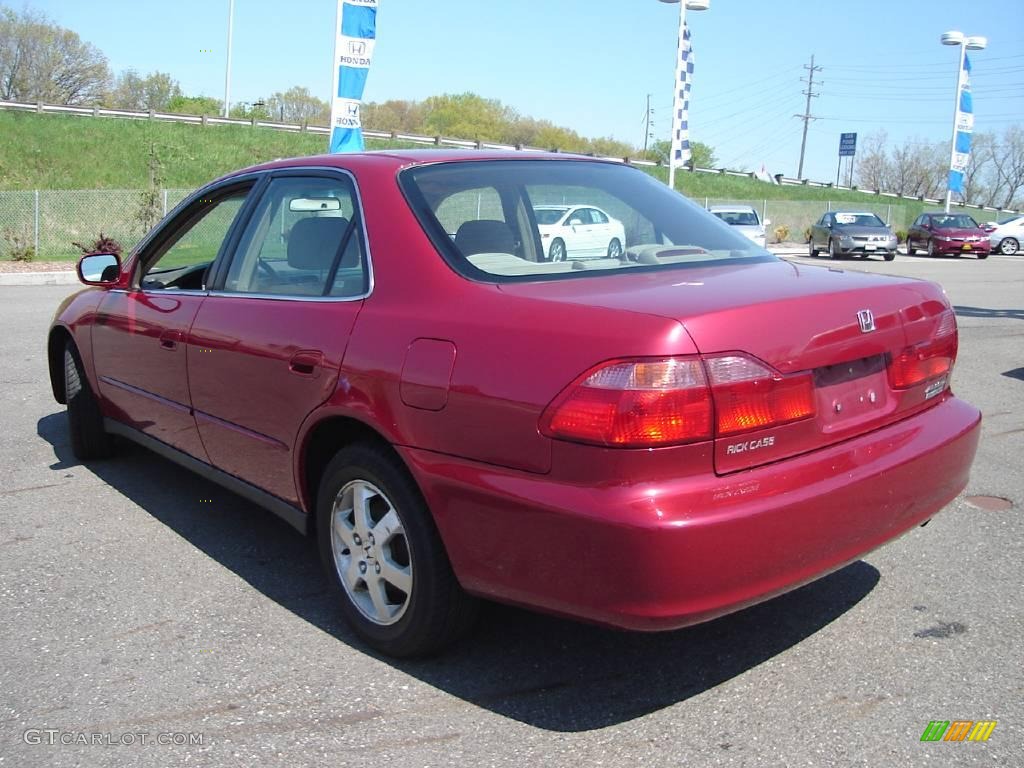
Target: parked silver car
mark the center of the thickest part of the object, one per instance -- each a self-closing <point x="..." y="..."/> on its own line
<point x="744" y="218"/>
<point x="1007" y="236"/>
<point x="853" y="232"/>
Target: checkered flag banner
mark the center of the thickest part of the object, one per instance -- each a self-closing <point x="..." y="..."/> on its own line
<point x="681" y="107"/>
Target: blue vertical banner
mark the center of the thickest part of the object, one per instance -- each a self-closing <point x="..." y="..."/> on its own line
<point x="681" y="107"/>
<point x="961" y="154"/>
<point x="355" y="38"/>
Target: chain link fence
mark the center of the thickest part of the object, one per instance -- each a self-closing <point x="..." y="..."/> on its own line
<point x="51" y="220"/>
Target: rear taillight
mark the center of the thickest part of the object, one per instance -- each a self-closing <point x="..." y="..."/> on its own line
<point x="749" y="395"/>
<point x="639" y="403"/>
<point x="928" y="361"/>
<point x="669" y="401"/>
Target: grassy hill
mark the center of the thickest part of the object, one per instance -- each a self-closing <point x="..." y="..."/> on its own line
<point x="59" y="152"/>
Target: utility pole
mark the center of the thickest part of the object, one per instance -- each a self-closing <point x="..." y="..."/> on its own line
<point x="807" y="116"/>
<point x="227" y="69"/>
<point x="648" y="116"/>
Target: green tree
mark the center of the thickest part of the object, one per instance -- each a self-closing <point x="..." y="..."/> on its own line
<point x="298" y="105"/>
<point x="701" y="155"/>
<point x="195" y="105"/>
<point x="394" y="115"/>
<point x="132" y="91"/>
<point x="40" y="61"/>
<point x="467" y="116"/>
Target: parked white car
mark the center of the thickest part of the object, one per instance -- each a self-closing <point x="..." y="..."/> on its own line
<point x="1008" y="236"/>
<point x="579" y="231"/>
<point x="744" y="218"/>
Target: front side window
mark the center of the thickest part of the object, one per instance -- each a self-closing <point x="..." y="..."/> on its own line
<point x="304" y="239"/>
<point x="491" y="220"/>
<point x="182" y="261"/>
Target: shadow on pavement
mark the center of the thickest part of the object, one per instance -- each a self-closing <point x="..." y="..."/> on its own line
<point x="991" y="314"/>
<point x="547" y="672"/>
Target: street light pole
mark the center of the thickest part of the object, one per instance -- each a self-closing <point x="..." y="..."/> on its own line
<point x="677" y="94"/>
<point x="227" y="72"/>
<point x="973" y="43"/>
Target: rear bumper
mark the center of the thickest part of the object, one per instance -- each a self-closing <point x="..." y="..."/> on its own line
<point x="665" y="555"/>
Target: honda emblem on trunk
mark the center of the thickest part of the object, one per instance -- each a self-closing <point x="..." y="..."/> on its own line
<point x="866" y="320"/>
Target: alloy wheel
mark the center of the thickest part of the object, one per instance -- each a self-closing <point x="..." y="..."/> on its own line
<point x="371" y="552"/>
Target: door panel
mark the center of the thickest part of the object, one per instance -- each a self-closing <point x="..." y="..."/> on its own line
<point x="139" y="334"/>
<point x="141" y="364"/>
<point x="257" y="368"/>
<point x="266" y="347"/>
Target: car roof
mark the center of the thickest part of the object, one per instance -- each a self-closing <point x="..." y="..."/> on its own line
<point x="395" y="159"/>
<point x="732" y="208"/>
<point x="857" y="213"/>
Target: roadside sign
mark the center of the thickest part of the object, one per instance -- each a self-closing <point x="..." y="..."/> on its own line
<point x="847" y="144"/>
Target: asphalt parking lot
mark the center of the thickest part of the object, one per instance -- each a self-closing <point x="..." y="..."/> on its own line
<point x="141" y="603"/>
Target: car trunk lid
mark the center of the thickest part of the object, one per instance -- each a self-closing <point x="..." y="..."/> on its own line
<point x="842" y="328"/>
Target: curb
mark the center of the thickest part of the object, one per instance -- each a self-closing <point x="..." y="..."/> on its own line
<point x="39" y="278"/>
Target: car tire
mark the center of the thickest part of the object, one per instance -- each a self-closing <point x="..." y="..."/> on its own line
<point x="89" y="439"/>
<point x="615" y="249"/>
<point x="931" y="248"/>
<point x="832" y="250"/>
<point x="983" y="254"/>
<point x="557" y="250"/>
<point x="890" y="255"/>
<point x="910" y="248"/>
<point x="812" y="252"/>
<point x="418" y="610"/>
<point x="1008" y="246"/>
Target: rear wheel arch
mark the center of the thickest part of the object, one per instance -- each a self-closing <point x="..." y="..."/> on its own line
<point x="322" y="443"/>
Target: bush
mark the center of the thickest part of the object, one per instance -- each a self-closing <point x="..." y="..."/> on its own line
<point x="19" y="247"/>
<point x="901" y="235"/>
<point x="781" y="233"/>
<point x="102" y="244"/>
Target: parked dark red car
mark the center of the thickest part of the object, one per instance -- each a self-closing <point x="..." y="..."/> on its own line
<point x="377" y="348"/>
<point x="939" y="234"/>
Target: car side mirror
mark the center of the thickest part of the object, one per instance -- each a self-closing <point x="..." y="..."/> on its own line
<point x="99" y="269"/>
<point x="767" y="222"/>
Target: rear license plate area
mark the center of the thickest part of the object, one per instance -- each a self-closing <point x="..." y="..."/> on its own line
<point x="851" y="393"/>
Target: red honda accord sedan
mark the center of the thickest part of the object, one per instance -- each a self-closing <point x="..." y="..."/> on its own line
<point x="645" y="434"/>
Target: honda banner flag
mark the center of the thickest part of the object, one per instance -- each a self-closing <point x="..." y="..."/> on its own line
<point x="355" y="36"/>
<point x="964" y="127"/>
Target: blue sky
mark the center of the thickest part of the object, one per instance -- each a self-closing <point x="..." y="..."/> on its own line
<point x="589" y="64"/>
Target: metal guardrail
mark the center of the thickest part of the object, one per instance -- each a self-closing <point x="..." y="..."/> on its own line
<point x="437" y="141"/>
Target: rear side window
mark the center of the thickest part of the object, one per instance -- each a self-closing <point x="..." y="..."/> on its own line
<point x="304" y="239"/>
<point x="502" y="220"/>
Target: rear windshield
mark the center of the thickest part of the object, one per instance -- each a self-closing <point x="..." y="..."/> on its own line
<point x="548" y="216"/>
<point x="492" y="220"/>
<point x="738" y="218"/>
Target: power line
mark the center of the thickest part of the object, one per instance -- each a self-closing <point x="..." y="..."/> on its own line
<point x="806" y="116"/>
